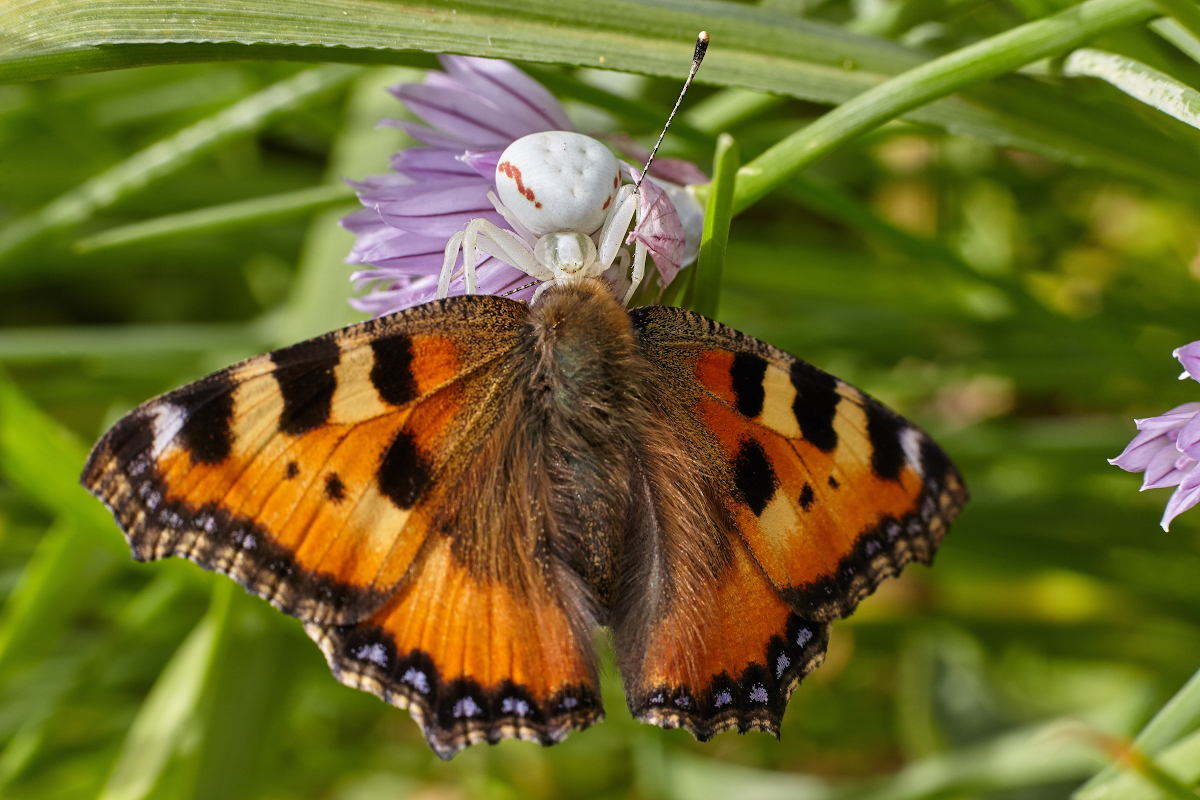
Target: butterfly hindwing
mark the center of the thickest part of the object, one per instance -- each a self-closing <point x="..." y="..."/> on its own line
<point x="819" y="493"/>
<point x="340" y="479"/>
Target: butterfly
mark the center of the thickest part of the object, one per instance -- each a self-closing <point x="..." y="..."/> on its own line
<point x="453" y="498"/>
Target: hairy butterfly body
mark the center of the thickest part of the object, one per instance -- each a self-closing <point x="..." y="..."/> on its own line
<point x="452" y="498"/>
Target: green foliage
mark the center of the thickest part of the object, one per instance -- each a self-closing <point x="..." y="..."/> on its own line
<point x="1010" y="266"/>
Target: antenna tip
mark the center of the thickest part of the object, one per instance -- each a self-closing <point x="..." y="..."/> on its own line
<point x="703" y="37"/>
<point x="701" y="46"/>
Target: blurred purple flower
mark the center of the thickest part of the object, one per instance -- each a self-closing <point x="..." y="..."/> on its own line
<point x="474" y="110"/>
<point x="1167" y="447"/>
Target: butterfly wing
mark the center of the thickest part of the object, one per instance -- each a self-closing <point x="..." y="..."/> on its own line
<point x="339" y="479"/>
<point x="815" y="494"/>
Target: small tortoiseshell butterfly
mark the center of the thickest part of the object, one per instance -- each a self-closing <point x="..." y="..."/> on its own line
<point x="452" y="498"/>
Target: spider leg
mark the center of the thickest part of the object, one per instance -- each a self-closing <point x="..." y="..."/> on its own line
<point x="639" y="270"/>
<point x="506" y="246"/>
<point x="443" y="287"/>
<point x="612" y="235"/>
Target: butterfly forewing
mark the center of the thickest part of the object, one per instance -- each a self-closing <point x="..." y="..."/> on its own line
<point x="821" y="493"/>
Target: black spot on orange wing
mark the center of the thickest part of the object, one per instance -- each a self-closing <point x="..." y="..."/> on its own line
<point x="293" y="469"/>
<point x="747" y="373"/>
<point x="206" y="432"/>
<point x="833" y="483"/>
<point x="806" y="496"/>
<point x="883" y="429"/>
<point x="392" y="372"/>
<point x="335" y="490"/>
<point x="815" y="405"/>
<point x="754" y="477"/>
<point x="305" y="376"/>
<point x="405" y="472"/>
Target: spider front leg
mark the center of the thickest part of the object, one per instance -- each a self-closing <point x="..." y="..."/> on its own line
<point x="639" y="270"/>
<point x="612" y="235"/>
<point x="495" y="241"/>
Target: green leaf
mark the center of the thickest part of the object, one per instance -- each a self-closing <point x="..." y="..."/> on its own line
<point x="714" y="241"/>
<point x="1187" y="42"/>
<point x="166" y="156"/>
<point x="229" y="216"/>
<point x="987" y="59"/>
<point x="1137" y="80"/>
<point x="171" y="705"/>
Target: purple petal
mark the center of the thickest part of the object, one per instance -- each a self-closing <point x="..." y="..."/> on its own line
<point x="464" y="115"/>
<point x="659" y="229"/>
<point x="402" y="243"/>
<point x="1189" y="356"/>
<point x="1186" y="496"/>
<point x="1161" y="471"/>
<point x="429" y="136"/>
<point x="429" y="163"/>
<point x="493" y="77"/>
<point x="439" y="197"/>
<point x="1138" y="454"/>
<point x="483" y="162"/>
<point x="1189" y="438"/>
<point x="441" y="225"/>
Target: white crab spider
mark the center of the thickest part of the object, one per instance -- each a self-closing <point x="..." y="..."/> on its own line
<point x="561" y="192"/>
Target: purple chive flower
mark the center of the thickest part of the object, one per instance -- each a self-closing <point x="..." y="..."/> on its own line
<point x="474" y="110"/>
<point x="1167" y="447"/>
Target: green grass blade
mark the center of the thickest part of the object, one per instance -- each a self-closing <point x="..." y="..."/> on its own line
<point x="43" y="460"/>
<point x="718" y="213"/>
<point x="54" y="583"/>
<point x="655" y="38"/>
<point x="1139" y="81"/>
<point x="225" y="217"/>
<point x="1176" y="34"/>
<point x="171" y="705"/>
<point x="131" y="341"/>
<point x="1181" y="762"/>
<point x="987" y="59"/>
<point x="1185" y="11"/>
<point x="168" y="155"/>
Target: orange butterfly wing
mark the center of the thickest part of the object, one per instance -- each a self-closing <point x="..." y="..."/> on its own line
<point x="818" y="494"/>
<point x="326" y="478"/>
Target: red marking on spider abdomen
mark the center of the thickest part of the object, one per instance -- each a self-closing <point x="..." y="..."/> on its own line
<point x="506" y="168"/>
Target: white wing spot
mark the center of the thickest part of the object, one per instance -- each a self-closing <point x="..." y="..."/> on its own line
<point x="724" y="698"/>
<point x="804" y="637"/>
<point x="873" y="547"/>
<point x="781" y="663"/>
<point x="758" y="693"/>
<point x="893" y="530"/>
<point x="514" y="705"/>
<point x="168" y="421"/>
<point x="658" y="699"/>
<point x="683" y="701"/>
<point x="910" y="443"/>
<point x="375" y="653"/>
<point x="568" y="702"/>
<point x="414" y="678"/>
<point x="466" y="707"/>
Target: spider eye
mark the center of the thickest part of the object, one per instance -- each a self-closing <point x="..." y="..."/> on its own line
<point x="557" y="181"/>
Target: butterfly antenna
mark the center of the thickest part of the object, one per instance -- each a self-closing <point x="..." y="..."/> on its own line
<point x="697" y="57"/>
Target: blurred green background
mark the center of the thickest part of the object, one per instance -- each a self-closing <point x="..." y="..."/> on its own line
<point x="1020" y="304"/>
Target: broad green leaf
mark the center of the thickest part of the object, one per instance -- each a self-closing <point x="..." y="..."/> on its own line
<point x="168" y="155"/>
<point x="1176" y="34"/>
<point x="932" y="80"/>
<point x="1137" y="80"/>
<point x="229" y="216"/>
<point x="171" y="705"/>
<point x="715" y="239"/>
